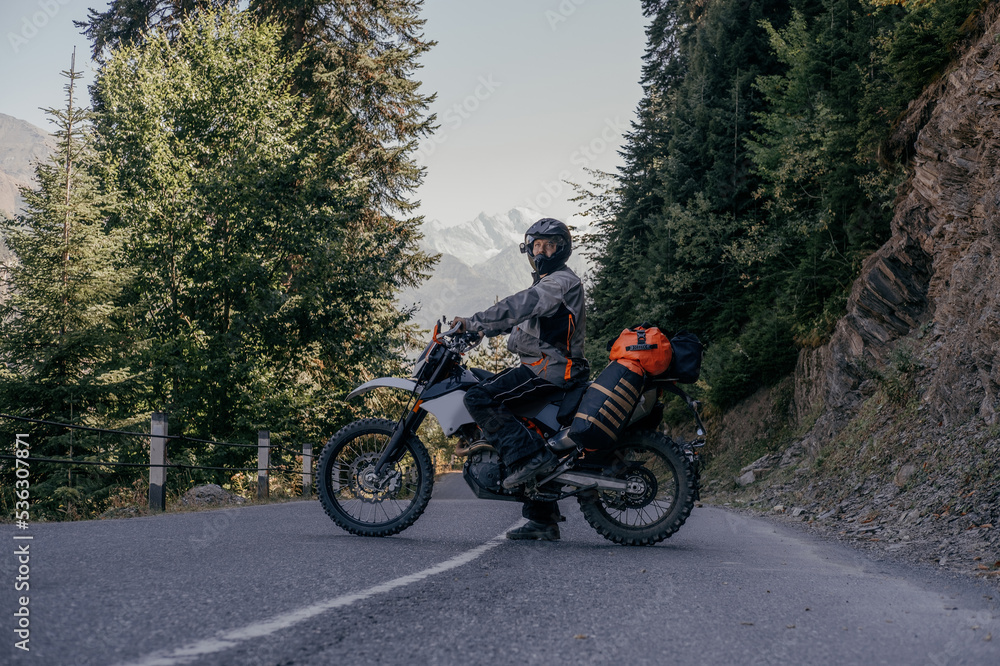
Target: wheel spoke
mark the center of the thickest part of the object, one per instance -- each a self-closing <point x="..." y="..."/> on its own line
<point x="648" y="469"/>
<point x="350" y="488"/>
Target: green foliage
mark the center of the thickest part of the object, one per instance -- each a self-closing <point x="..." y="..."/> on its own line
<point x="820" y="223"/>
<point x="758" y="357"/>
<point x="237" y="232"/>
<point x="686" y="181"/>
<point x="127" y="22"/>
<point x="231" y="227"/>
<point x="922" y="42"/>
<point x="898" y="380"/>
<point x="754" y="184"/>
<point x="493" y="355"/>
<point x="63" y="341"/>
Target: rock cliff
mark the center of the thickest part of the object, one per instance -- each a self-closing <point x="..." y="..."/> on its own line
<point x="937" y="280"/>
<point x="895" y="437"/>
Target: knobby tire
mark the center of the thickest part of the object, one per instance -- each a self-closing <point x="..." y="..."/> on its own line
<point x="600" y="509"/>
<point x="354" y="447"/>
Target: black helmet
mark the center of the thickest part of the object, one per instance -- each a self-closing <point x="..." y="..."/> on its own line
<point x="548" y="228"/>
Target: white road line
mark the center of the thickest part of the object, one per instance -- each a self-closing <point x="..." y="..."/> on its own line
<point x="230" y="639"/>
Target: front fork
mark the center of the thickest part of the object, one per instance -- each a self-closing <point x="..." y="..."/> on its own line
<point x="396" y="447"/>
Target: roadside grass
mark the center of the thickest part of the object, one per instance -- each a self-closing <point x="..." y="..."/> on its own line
<point x="725" y="456"/>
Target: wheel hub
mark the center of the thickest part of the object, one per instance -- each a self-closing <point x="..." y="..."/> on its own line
<point x="640" y="487"/>
<point x="367" y="485"/>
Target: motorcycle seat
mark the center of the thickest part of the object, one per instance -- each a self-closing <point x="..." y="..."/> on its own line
<point x="482" y="375"/>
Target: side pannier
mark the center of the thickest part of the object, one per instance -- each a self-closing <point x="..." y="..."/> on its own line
<point x="685" y="366"/>
<point x="607" y="406"/>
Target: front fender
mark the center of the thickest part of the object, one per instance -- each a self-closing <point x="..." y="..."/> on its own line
<point x="388" y="382"/>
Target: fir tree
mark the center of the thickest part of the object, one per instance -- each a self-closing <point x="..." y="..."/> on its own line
<point x="231" y="226"/>
<point x="687" y="186"/>
<point x="356" y="62"/>
<point x="127" y="22"/>
<point x="62" y="341"/>
<point x="622" y="211"/>
<point x="361" y="115"/>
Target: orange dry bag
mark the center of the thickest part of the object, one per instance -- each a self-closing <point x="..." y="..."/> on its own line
<point x="644" y="345"/>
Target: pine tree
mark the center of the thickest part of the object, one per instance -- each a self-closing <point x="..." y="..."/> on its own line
<point x="622" y="212"/>
<point x="62" y="341"/>
<point x="356" y="62"/>
<point x="687" y="185"/>
<point x="231" y="226"/>
<point x="127" y="22"/>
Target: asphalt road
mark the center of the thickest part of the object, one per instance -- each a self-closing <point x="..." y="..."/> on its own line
<point x="451" y="486"/>
<point x="281" y="584"/>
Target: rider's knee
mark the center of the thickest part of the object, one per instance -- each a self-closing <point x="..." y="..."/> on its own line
<point x="477" y="398"/>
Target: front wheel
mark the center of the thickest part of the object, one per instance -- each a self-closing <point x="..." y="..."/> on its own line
<point x="362" y="502"/>
<point x="659" y="497"/>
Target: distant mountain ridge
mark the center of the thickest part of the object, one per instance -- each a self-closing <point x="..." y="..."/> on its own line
<point x="481" y="262"/>
<point x="22" y="145"/>
<point x="480" y="239"/>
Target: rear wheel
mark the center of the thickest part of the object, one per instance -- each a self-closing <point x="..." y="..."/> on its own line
<point x="660" y="494"/>
<point x="365" y="503"/>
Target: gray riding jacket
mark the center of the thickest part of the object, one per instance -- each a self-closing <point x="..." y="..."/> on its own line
<point x="547" y="324"/>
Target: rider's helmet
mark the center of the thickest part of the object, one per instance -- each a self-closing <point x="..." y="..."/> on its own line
<point x="548" y="228"/>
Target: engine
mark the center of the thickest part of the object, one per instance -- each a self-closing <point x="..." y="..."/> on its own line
<point x="483" y="471"/>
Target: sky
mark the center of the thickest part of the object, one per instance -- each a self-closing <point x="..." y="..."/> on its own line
<point x="529" y="93"/>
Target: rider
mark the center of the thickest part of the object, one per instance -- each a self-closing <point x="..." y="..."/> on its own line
<point x="546" y="323"/>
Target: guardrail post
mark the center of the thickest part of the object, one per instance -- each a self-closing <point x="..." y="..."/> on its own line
<point x="157" y="461"/>
<point x="307" y="467"/>
<point x="263" y="462"/>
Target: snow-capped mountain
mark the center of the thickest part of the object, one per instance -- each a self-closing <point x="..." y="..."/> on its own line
<point x="480" y="262"/>
<point x="482" y="238"/>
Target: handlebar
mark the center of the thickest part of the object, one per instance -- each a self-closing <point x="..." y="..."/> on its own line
<point x="460" y="341"/>
<point x="451" y="331"/>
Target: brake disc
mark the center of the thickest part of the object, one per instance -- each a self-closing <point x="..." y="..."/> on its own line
<point x="367" y="486"/>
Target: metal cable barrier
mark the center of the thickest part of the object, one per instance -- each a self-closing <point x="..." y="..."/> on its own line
<point x="158" y="464"/>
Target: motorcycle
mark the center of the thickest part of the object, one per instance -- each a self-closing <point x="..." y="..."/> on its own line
<point x="375" y="476"/>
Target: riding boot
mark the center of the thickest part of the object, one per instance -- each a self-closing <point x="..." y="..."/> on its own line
<point x="535" y="530"/>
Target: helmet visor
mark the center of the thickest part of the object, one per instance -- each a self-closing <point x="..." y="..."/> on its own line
<point x="543" y="245"/>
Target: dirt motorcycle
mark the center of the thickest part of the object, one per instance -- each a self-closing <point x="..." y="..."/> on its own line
<point x="375" y="476"/>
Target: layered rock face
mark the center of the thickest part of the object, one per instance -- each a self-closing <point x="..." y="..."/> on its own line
<point x="937" y="280"/>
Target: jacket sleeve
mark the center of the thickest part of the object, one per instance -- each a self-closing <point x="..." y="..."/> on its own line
<point x="539" y="300"/>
